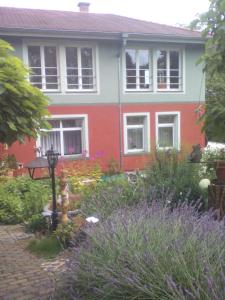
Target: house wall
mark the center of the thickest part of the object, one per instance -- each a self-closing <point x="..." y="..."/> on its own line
<point x="102" y="107"/>
<point x="103" y="127"/>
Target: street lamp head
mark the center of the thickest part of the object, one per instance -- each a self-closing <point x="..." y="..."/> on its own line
<point x="52" y="157"/>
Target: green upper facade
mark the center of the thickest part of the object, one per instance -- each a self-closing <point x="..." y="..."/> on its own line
<point x="130" y="62"/>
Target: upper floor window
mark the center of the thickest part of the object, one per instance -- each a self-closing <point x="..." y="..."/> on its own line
<point x="42" y="61"/>
<point x="168" y="70"/>
<point x="79" y="68"/>
<point x="68" y="136"/>
<point x="137" y="69"/>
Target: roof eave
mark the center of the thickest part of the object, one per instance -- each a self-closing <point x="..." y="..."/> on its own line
<point x="37" y="32"/>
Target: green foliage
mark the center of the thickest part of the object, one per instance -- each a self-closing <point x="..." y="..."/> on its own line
<point x="37" y="223"/>
<point x="11" y="210"/>
<point x="23" y="107"/>
<point x="108" y="196"/>
<point x="171" y="173"/>
<point x="113" y="167"/>
<point x="209" y="158"/>
<point x="64" y="233"/>
<point x="47" y="247"/>
<point x="212" y="24"/>
<point x="20" y="199"/>
<point x="214" y="116"/>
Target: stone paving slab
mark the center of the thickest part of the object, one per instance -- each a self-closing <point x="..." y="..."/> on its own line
<point x="22" y="275"/>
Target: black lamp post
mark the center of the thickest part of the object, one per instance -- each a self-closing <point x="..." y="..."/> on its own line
<point x="52" y="158"/>
<point x="43" y="163"/>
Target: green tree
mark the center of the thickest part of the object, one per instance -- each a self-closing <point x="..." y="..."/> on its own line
<point x="212" y="24"/>
<point x="22" y="107"/>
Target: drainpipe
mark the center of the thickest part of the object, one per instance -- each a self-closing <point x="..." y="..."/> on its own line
<point x="119" y="78"/>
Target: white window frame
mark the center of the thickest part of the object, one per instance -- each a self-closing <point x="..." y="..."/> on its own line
<point x="181" y="71"/>
<point x="138" y="89"/>
<point x="61" y="64"/>
<point x="146" y="132"/>
<point x="42" y="56"/>
<point x="85" y="135"/>
<point x="170" y="125"/>
<point x="94" y="67"/>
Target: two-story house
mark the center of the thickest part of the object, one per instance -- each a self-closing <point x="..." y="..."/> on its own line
<point x="118" y="87"/>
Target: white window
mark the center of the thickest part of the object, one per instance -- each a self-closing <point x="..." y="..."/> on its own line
<point x="168" y="130"/>
<point x="42" y="61"/>
<point x="68" y="136"/>
<point x="138" y="75"/>
<point x="169" y="70"/>
<point x="136" y="132"/>
<point x="79" y="68"/>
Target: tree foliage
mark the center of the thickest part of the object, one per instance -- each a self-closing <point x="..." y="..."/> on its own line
<point x="23" y="107"/>
<point x="212" y="24"/>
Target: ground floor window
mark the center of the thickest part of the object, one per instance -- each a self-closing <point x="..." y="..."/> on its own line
<point x="68" y="136"/>
<point x="136" y="132"/>
<point x="168" y="130"/>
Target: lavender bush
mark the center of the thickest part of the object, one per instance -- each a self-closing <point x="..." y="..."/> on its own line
<point x="154" y="253"/>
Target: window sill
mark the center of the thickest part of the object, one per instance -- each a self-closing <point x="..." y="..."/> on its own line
<point x="142" y="153"/>
<point x="73" y="157"/>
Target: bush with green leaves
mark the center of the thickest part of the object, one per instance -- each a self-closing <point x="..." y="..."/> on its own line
<point x="111" y="194"/>
<point x="209" y="158"/>
<point x="64" y="233"/>
<point x="21" y="198"/>
<point x="175" y="174"/>
<point x="153" y="253"/>
<point x="37" y="223"/>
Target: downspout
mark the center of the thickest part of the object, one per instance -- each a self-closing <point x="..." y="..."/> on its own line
<point x="119" y="77"/>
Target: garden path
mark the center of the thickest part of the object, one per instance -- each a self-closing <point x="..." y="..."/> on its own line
<point x="22" y="275"/>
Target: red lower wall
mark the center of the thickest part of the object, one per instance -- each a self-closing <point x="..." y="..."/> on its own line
<point x="103" y="122"/>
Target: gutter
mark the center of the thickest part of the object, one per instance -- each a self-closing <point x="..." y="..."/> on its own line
<point x="32" y="32"/>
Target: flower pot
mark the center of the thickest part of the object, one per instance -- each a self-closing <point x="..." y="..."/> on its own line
<point x="220" y="171"/>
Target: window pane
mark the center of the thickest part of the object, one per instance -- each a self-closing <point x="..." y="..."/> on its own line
<point x="72" y="123"/>
<point x="174" y="60"/>
<point x="143" y="59"/>
<point x="131" y="59"/>
<point x="86" y="58"/>
<point x="165" y="137"/>
<point x="72" y="142"/>
<point x="54" y="123"/>
<point x="144" y="75"/>
<point x="135" y="138"/>
<point x="34" y="56"/>
<point x="161" y="60"/>
<point x="136" y="120"/>
<point x="71" y="57"/>
<point x="50" y="57"/>
<point x="166" y="119"/>
<point x="50" y="139"/>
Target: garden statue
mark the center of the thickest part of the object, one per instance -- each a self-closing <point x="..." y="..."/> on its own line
<point x="196" y="154"/>
<point x="64" y="191"/>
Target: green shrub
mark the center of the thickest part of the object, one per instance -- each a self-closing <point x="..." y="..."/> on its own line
<point x="175" y="174"/>
<point x="107" y="196"/>
<point x="21" y="198"/>
<point x="153" y="253"/>
<point x="47" y="247"/>
<point x="209" y="158"/>
<point x="37" y="223"/>
<point x="11" y="211"/>
<point x="64" y="233"/>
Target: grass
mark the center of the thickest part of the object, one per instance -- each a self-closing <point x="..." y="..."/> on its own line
<point x="47" y="247"/>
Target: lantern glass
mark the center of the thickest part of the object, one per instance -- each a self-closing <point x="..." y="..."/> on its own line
<point x="52" y="158"/>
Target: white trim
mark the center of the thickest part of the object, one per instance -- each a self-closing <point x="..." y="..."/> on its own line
<point x="61" y="64"/>
<point x="146" y="135"/>
<point x="85" y="132"/>
<point x="153" y="70"/>
<point x="168" y="113"/>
